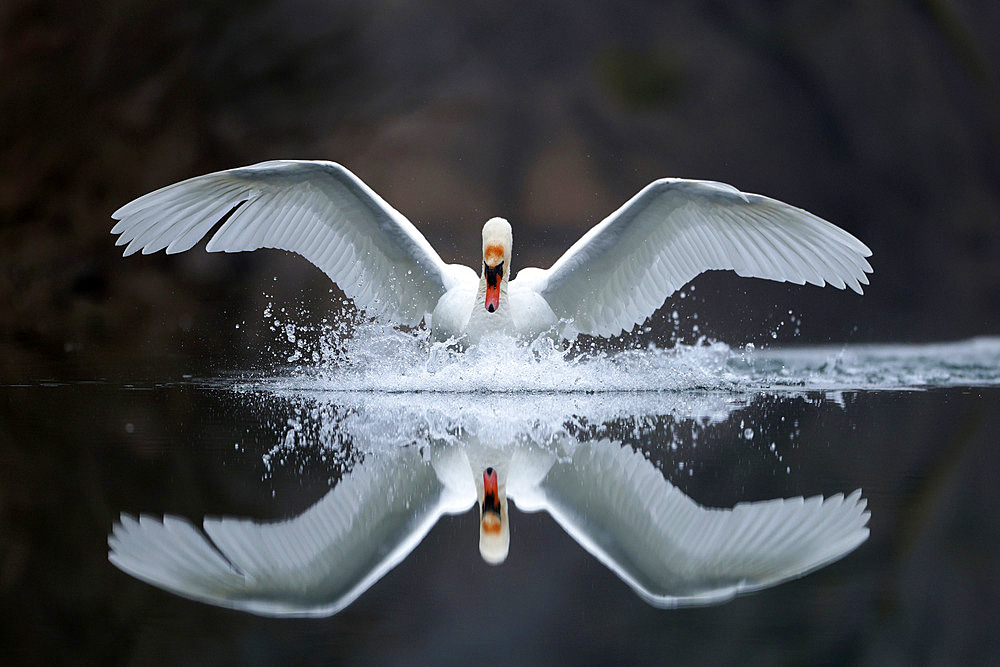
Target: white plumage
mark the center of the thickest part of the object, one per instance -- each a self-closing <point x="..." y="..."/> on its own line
<point x="609" y="498"/>
<point x="614" y="277"/>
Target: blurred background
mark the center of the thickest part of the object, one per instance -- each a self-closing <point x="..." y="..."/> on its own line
<point x="882" y="117"/>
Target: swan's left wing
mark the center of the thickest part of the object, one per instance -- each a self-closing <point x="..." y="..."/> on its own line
<point x="317" y="209"/>
<point x="624" y="268"/>
<point x="674" y="552"/>
<point x="312" y="565"/>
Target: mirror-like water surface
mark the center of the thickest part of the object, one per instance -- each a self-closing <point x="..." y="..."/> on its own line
<point x="420" y="458"/>
<point x="352" y="492"/>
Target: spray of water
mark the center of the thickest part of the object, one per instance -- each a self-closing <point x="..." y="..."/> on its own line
<point x="350" y="352"/>
<point x="350" y="379"/>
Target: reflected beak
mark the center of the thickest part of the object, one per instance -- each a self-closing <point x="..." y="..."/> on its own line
<point x="494" y="537"/>
<point x="491" y="503"/>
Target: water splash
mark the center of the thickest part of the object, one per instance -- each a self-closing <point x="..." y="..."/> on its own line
<point x="353" y="353"/>
<point x="375" y="384"/>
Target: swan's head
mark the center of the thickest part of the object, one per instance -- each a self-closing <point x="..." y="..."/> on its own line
<point x="497" y="239"/>
<point x="494" y="535"/>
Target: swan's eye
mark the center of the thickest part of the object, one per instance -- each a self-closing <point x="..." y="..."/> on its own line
<point x="493" y="274"/>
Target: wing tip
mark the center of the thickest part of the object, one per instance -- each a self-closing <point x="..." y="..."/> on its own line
<point x="123" y="211"/>
<point x="131" y="249"/>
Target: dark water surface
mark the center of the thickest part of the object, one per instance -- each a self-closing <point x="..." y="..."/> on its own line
<point x="916" y="429"/>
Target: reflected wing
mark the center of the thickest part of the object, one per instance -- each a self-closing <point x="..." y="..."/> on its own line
<point x="319" y="210"/>
<point x="624" y="268"/>
<point x="312" y="565"/>
<point x="675" y="552"/>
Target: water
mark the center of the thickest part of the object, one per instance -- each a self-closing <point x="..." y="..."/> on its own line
<point x="914" y="427"/>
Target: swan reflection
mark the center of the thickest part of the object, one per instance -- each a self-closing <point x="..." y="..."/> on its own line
<point x="444" y="457"/>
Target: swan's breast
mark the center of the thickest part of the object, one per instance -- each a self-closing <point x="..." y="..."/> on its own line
<point x="529" y="311"/>
<point x="523" y="312"/>
<point x="451" y="315"/>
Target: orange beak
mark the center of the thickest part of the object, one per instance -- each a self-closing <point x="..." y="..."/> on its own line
<point x="494" y="276"/>
<point x="493" y="297"/>
<point x="491" y="502"/>
<point x="490" y="483"/>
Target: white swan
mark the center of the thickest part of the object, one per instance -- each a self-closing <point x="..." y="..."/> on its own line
<point x="614" y="277"/>
<point x="610" y="499"/>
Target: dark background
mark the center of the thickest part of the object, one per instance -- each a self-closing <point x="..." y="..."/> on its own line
<point x="881" y="117"/>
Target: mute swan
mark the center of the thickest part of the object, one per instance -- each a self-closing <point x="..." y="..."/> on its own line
<point x="613" y="278"/>
<point x="611" y="499"/>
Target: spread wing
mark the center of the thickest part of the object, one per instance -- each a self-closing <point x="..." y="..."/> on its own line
<point x="312" y="565"/>
<point x="319" y="210"/>
<point x="624" y="268"/>
<point x="674" y="552"/>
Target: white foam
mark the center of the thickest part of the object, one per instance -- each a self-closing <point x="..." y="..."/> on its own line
<point x="373" y="357"/>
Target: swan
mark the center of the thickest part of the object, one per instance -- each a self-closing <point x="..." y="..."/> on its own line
<point x="610" y="498"/>
<point x="614" y="277"/>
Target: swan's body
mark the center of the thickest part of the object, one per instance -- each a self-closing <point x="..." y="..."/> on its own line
<point x="613" y="278"/>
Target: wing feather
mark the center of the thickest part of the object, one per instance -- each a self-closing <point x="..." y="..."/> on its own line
<point x="671" y="550"/>
<point x="625" y="267"/>
<point x="311" y="565"/>
<point x="317" y="209"/>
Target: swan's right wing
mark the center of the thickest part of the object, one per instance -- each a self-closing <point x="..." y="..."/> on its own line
<point x="625" y="267"/>
<point x="314" y="564"/>
<point x="317" y="209"/>
<point x="674" y="552"/>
